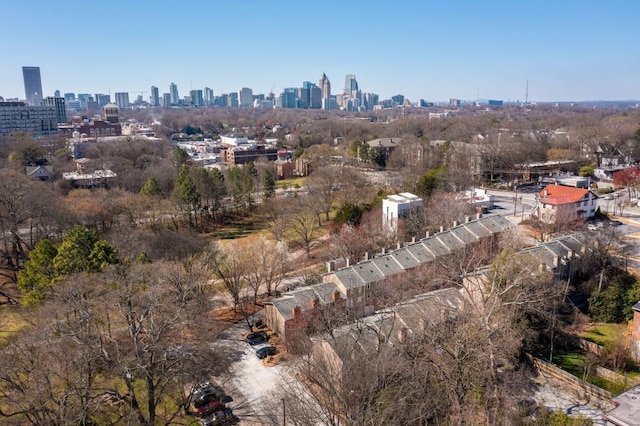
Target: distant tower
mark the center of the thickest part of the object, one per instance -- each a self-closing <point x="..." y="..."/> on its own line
<point x="526" y="94"/>
<point x="173" y="92"/>
<point x="246" y="97"/>
<point x="155" y="97"/>
<point x="325" y="85"/>
<point x="350" y="84"/>
<point x="32" y="85"/>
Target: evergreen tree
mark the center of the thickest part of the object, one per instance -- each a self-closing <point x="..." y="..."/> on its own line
<point x="150" y="188"/>
<point x="268" y="186"/>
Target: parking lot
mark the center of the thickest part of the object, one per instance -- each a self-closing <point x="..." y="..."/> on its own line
<point x="252" y="384"/>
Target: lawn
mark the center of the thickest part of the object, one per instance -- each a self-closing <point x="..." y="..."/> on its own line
<point x="290" y="183"/>
<point x="573" y="363"/>
<point x="604" y="334"/>
<point x="12" y="320"/>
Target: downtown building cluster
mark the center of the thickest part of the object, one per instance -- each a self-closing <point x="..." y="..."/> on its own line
<point x="40" y="115"/>
<point x="308" y="96"/>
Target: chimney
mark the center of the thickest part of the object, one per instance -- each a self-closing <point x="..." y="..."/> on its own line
<point x="384" y="250"/>
<point x="296" y="311"/>
<point x="455" y="223"/>
<point x="331" y="266"/>
<point x="399" y="246"/>
<point x="413" y="240"/>
<point x="335" y="296"/>
<point x="555" y="262"/>
<point x="367" y="256"/>
<point x="427" y="234"/>
<point x="542" y="267"/>
<point x="348" y="262"/>
<point x="466" y="219"/>
<point x="441" y="228"/>
<point x="478" y="215"/>
<point x="570" y="254"/>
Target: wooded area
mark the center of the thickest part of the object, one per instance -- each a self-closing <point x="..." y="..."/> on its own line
<point x="117" y="285"/>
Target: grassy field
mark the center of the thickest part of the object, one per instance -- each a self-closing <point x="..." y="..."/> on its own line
<point x="604" y="334"/>
<point x="290" y="183"/>
<point x="12" y="320"/>
<point x="574" y="363"/>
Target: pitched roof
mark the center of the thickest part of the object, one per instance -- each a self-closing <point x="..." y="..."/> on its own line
<point x="559" y="195"/>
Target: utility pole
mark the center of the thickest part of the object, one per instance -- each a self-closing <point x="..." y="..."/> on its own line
<point x="284" y="412"/>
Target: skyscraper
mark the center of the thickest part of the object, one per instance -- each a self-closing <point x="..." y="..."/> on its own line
<point x="325" y="85"/>
<point x="58" y="103"/>
<point x="246" y="97"/>
<point x="197" y="100"/>
<point x="350" y="84"/>
<point x="154" y="100"/>
<point x="173" y="91"/>
<point x="32" y="85"/>
<point x="208" y="96"/>
<point x="122" y="100"/>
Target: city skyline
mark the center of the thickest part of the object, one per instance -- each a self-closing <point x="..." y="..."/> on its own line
<point x="572" y="51"/>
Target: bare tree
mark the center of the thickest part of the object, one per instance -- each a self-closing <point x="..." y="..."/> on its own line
<point x="266" y="264"/>
<point x="304" y="225"/>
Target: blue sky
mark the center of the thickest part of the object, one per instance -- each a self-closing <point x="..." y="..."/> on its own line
<point x="435" y="50"/>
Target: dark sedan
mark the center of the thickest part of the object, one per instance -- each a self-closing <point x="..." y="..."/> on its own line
<point x="256" y="338"/>
<point x="266" y="351"/>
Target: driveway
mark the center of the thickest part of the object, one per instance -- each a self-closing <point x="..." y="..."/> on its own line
<point x="252" y="385"/>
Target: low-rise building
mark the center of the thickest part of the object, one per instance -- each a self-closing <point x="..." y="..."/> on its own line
<point x="37" y="121"/>
<point x="360" y="289"/>
<point x="397" y="206"/>
<point x="558" y="203"/>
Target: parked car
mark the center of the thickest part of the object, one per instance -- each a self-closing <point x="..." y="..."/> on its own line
<point x="266" y="351"/>
<point x="207" y="398"/>
<point x="256" y="338"/>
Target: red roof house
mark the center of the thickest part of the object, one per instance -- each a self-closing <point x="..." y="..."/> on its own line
<point x="564" y="203"/>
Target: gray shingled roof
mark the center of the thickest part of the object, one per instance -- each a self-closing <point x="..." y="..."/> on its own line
<point x="464" y="234"/>
<point x="404" y="257"/>
<point x="420" y="252"/>
<point x="449" y="240"/>
<point x="368" y="271"/>
<point x="387" y="265"/>
<point x="383" y="326"/>
<point x="348" y="278"/>
<point x="435" y="246"/>
<point x="478" y="229"/>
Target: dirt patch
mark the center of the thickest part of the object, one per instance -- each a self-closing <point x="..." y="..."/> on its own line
<point x="234" y="316"/>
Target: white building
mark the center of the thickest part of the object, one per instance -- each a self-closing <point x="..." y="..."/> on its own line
<point x="396" y="207"/>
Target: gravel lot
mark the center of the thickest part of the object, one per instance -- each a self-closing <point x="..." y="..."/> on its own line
<point x="250" y="383"/>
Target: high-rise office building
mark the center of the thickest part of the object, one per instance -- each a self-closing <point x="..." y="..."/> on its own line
<point x="36" y="120"/>
<point x="69" y="97"/>
<point x="56" y="94"/>
<point x="32" y="85"/>
<point x="350" y="84"/>
<point x="173" y="91"/>
<point x="197" y="100"/>
<point x="154" y="99"/>
<point x="122" y="100"/>
<point x="208" y="97"/>
<point x="325" y="86"/>
<point x="58" y="103"/>
<point x="102" y="99"/>
<point x="166" y="100"/>
<point x="288" y="98"/>
<point x="246" y="97"/>
<point x="233" y="100"/>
